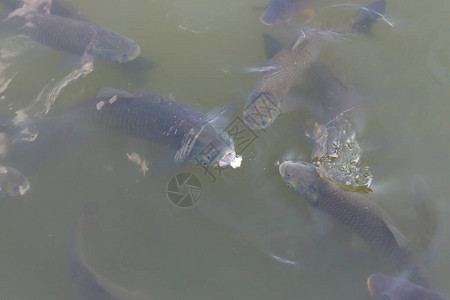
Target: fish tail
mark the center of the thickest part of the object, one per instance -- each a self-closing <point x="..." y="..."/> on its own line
<point x="417" y="274"/>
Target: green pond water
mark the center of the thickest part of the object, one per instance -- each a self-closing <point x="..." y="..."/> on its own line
<point x="248" y="236"/>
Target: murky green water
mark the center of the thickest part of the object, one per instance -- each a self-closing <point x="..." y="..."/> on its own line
<point x="249" y="236"/>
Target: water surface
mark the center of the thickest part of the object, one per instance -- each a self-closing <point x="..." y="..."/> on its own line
<point x="249" y="236"/>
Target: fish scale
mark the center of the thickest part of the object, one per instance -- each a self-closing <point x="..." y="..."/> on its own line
<point x="72" y="35"/>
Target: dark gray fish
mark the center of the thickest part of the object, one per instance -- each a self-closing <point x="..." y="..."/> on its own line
<point x="384" y="287"/>
<point x="12" y="182"/>
<point x="277" y="11"/>
<point x="270" y="98"/>
<point x="336" y="152"/>
<point x="366" y="16"/>
<point x="364" y="217"/>
<point x="180" y="127"/>
<point x="89" y="284"/>
<point x="89" y="41"/>
<point x="54" y="7"/>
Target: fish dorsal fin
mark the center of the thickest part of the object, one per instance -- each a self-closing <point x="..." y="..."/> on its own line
<point x="299" y="40"/>
<point x="107" y="92"/>
<point x="271" y="45"/>
<point x="221" y="116"/>
<point x="401" y="240"/>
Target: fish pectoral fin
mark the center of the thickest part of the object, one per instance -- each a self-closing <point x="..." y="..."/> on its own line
<point x="299" y="40"/>
<point x="359" y="245"/>
<point x="401" y="240"/>
<point x="108" y="92"/>
<point x="187" y="144"/>
<point x="323" y="222"/>
<point x="222" y="115"/>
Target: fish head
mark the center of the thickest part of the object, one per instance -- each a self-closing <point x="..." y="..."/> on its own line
<point x="366" y="16"/>
<point x="214" y="148"/>
<point x="383" y="287"/>
<point x="112" y="46"/>
<point x="301" y="177"/>
<point x="261" y="110"/>
<point x="277" y="11"/>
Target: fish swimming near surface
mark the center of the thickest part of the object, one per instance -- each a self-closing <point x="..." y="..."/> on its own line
<point x="277" y="11"/>
<point x="89" y="284"/>
<point x="384" y="287"/>
<point x="336" y="152"/>
<point x="191" y="134"/>
<point x="54" y="7"/>
<point x="88" y="41"/>
<point x="365" y="218"/>
<point x="270" y="98"/>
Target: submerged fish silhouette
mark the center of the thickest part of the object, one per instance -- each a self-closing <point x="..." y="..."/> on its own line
<point x="384" y="287"/>
<point x="89" y="284"/>
<point x="277" y="11"/>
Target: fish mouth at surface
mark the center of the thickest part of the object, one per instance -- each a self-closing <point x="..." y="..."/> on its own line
<point x="231" y="159"/>
<point x="369" y="287"/>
